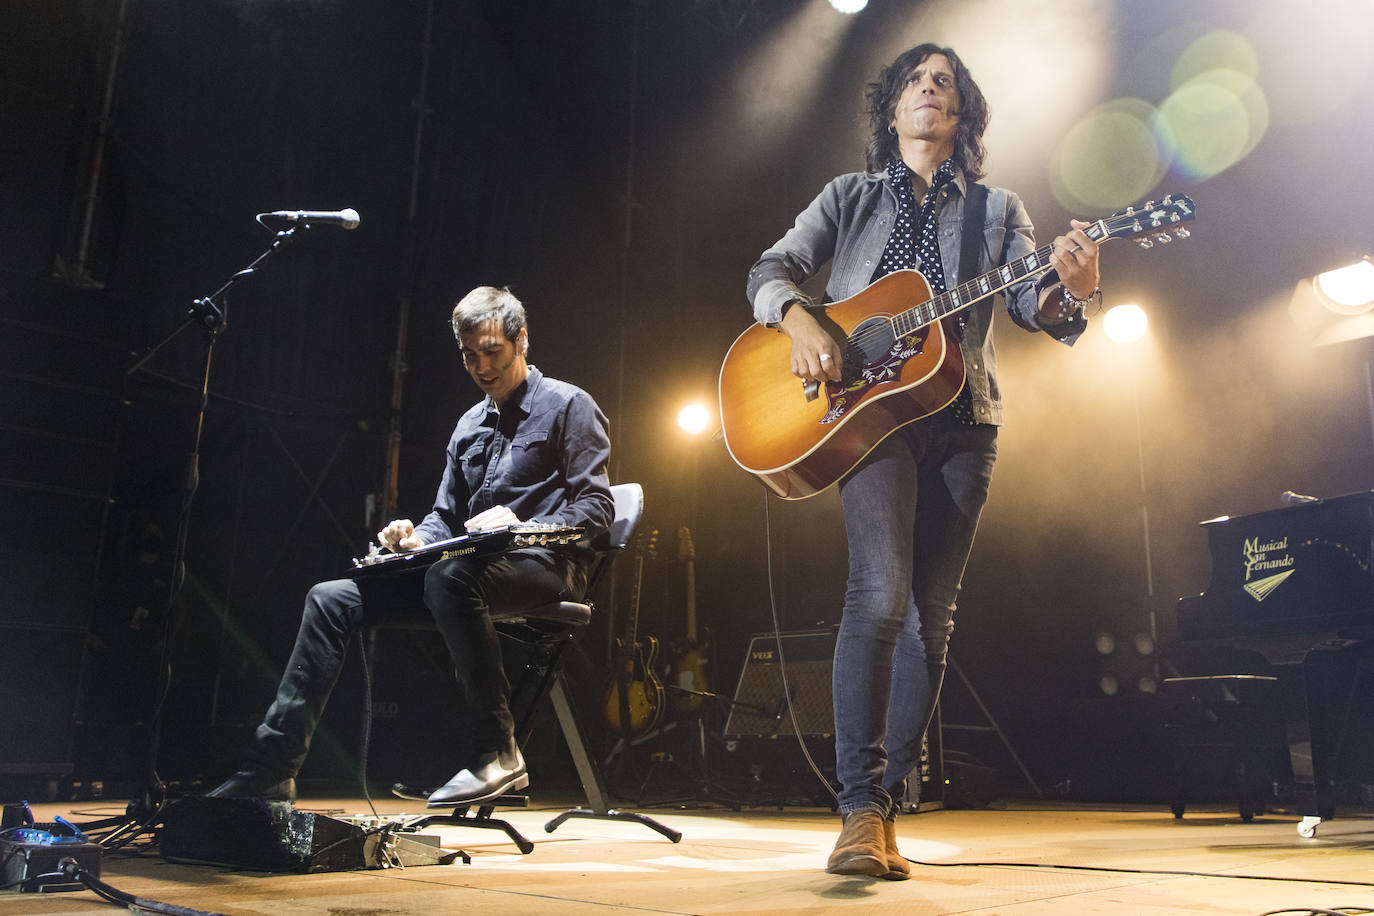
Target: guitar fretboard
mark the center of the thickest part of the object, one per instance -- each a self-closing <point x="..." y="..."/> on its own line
<point x="979" y="288"/>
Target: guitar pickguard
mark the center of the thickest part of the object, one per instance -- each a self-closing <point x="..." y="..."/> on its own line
<point x="843" y="395"/>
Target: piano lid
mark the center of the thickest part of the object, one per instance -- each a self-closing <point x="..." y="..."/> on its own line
<point x="1302" y="568"/>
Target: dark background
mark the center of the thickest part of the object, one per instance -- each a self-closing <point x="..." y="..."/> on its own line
<point x="619" y="166"/>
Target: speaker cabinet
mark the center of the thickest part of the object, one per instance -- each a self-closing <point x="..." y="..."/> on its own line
<point x="763" y="708"/>
<point x="41" y="673"/>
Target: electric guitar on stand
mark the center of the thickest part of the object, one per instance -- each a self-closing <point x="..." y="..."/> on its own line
<point x="633" y="700"/>
<point x="688" y="670"/>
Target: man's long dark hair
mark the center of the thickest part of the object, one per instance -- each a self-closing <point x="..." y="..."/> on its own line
<point x="882" y="96"/>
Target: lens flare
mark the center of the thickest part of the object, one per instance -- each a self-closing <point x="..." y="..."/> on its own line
<point x="1110" y="158"/>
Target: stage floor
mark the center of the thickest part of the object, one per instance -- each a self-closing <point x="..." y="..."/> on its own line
<point x="1013" y="858"/>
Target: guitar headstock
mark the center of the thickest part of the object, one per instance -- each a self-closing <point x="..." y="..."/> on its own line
<point x="646" y="544"/>
<point x="1154" y="222"/>
<point x="686" y="550"/>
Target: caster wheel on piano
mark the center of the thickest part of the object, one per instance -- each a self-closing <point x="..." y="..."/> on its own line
<point x="1177" y="808"/>
<point x="1307" y="827"/>
<point x="1246" y="814"/>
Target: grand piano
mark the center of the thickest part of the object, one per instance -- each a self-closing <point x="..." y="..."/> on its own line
<point x="1294" y="585"/>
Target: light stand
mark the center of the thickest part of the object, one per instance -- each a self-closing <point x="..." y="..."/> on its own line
<point x="212" y="315"/>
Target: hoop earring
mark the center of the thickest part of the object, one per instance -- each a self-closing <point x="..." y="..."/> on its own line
<point x="892" y="130"/>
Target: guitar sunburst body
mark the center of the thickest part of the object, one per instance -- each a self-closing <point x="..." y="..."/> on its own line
<point x="799" y="445"/>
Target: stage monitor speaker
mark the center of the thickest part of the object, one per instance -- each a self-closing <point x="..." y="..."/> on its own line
<point x="763" y="709"/>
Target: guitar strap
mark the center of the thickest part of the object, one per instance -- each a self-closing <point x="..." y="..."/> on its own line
<point x="975" y="215"/>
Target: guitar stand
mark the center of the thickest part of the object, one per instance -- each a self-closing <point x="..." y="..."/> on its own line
<point x="463" y="816"/>
<point x="706" y="790"/>
<point x="596" y="809"/>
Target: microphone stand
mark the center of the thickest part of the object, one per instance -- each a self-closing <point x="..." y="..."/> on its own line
<point x="212" y="315"/>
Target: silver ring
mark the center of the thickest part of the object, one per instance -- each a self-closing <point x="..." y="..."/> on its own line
<point x="824" y="357"/>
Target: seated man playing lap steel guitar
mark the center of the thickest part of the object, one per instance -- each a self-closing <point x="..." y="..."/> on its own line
<point x="534" y="450"/>
<point x="912" y="504"/>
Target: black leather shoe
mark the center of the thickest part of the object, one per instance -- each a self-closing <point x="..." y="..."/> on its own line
<point x="495" y="774"/>
<point x="256" y="784"/>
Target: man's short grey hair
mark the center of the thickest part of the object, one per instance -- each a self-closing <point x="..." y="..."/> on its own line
<point x="484" y="304"/>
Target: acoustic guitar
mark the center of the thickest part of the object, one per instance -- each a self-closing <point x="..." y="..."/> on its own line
<point x="632" y="703"/>
<point x="688" y="670"/>
<point x="899" y="364"/>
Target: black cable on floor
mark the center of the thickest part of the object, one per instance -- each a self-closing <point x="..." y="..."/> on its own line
<point x="1144" y="871"/>
<point x="777" y="638"/>
<point x="70" y="868"/>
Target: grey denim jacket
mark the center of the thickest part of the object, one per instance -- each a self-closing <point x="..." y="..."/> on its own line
<point x="849" y="223"/>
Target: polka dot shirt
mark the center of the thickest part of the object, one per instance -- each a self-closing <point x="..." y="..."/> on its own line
<point x="915" y="245"/>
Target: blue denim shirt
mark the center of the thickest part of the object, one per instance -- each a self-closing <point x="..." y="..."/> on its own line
<point x="849" y="223"/>
<point x="544" y="459"/>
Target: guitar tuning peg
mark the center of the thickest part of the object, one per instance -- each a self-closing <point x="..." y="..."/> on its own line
<point x="1182" y="233"/>
<point x="1147" y="242"/>
<point x="1165" y="238"/>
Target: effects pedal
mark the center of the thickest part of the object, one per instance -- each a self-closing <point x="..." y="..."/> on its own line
<point x="32" y="854"/>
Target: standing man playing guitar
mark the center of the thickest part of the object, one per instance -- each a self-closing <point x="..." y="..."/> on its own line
<point x="911" y="506"/>
<point x="534" y="450"/>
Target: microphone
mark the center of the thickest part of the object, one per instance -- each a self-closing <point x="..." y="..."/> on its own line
<point x="344" y="219"/>
<point x="783" y="703"/>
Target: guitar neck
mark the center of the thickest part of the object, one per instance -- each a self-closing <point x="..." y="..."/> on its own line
<point x="981" y="287"/>
<point x="632" y="619"/>
<point x="691" y="601"/>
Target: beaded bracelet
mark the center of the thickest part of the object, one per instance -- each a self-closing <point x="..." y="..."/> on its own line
<point x="1069" y="304"/>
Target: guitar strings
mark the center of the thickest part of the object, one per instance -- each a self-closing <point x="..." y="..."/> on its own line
<point x="943" y="305"/>
<point x="965" y="294"/>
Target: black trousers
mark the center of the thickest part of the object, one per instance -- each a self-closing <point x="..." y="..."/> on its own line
<point x="462" y="594"/>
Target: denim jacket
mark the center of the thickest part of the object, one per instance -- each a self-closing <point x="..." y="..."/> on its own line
<point x="849" y="223"/>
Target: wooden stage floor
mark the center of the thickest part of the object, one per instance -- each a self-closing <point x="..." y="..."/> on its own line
<point x="1015" y="858"/>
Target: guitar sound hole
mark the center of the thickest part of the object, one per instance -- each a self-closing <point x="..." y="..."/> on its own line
<point x="867" y="344"/>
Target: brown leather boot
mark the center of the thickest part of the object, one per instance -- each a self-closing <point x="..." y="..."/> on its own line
<point x="861" y="848"/>
<point x="898" y="868"/>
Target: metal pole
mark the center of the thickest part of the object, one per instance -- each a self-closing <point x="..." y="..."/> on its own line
<point x="390" y="495"/>
<point x="74" y="272"/>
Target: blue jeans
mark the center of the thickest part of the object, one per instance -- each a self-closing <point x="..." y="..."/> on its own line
<point x="463" y="594"/>
<point x="911" y="508"/>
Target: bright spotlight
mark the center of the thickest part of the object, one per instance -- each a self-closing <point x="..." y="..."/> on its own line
<point x="1126" y="323"/>
<point x="1348" y="290"/>
<point x="693" y="418"/>
<point x="849" y="6"/>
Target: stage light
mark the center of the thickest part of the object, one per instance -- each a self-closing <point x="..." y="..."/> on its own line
<point x="1126" y="665"/>
<point x="1337" y="305"/>
<point x="1347" y="290"/>
<point x="693" y="418"/>
<point x="1126" y="323"/>
<point x="849" y="6"/>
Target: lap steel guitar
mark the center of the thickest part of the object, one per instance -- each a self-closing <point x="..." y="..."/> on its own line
<point x="380" y="560"/>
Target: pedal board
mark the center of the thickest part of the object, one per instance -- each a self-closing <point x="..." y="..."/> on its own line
<point x="273" y="836"/>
